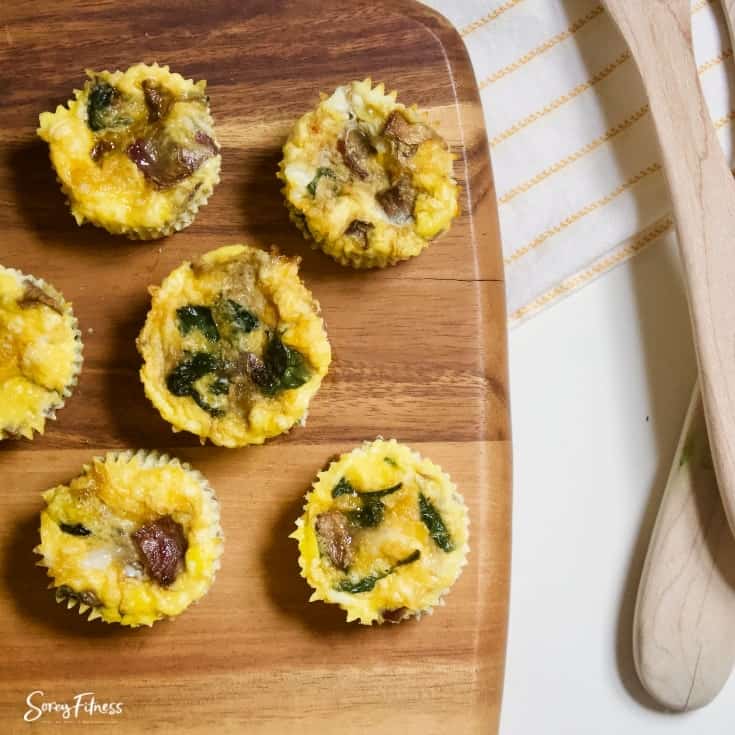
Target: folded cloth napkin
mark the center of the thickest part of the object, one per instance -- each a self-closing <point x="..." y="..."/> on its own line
<point x="575" y="157"/>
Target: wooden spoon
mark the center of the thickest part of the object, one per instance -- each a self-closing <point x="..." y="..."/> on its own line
<point x="703" y="192"/>
<point x="684" y="627"/>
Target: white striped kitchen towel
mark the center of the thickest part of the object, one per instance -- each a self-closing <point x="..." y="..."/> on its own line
<point x="575" y="157"/>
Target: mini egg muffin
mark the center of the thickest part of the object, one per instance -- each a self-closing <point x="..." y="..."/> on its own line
<point x="383" y="534"/>
<point x="40" y="353"/>
<point x="233" y="346"/>
<point x="135" y="151"/>
<point x="134" y="539"/>
<point x="367" y="179"/>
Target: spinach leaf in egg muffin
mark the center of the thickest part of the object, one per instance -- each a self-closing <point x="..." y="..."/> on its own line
<point x="367" y="584"/>
<point x="74" y="529"/>
<point x="370" y="512"/>
<point x="104" y="107"/>
<point x="197" y="317"/>
<point x="433" y="521"/>
<point x="285" y="368"/>
<point x="321" y="171"/>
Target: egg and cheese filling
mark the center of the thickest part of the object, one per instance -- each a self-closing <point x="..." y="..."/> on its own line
<point x="40" y="353"/>
<point x="367" y="178"/>
<point x="135" y="151"/>
<point x="383" y="534"/>
<point x="135" y="538"/>
<point x="234" y="346"/>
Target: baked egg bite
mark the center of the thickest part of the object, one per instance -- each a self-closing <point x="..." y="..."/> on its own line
<point x="367" y="179"/>
<point x="383" y="534"/>
<point x="40" y="353"/>
<point x="233" y="346"/>
<point x="135" y="538"/>
<point x="135" y="151"/>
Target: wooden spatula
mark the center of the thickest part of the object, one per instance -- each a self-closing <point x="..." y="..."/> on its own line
<point x="703" y="193"/>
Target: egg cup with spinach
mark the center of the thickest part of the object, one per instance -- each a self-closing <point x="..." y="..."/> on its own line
<point x="383" y="534"/>
<point x="135" y="151"/>
<point x="234" y="347"/>
<point x="40" y="353"/>
<point x="135" y="538"/>
<point x="367" y="179"/>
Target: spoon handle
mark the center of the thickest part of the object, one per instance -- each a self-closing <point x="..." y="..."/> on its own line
<point x="703" y="193"/>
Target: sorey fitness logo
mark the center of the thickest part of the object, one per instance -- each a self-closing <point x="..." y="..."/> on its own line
<point x="81" y="706"/>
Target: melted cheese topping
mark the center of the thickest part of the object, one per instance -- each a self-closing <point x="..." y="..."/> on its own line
<point x="410" y="568"/>
<point x="269" y="287"/>
<point x="112" y="498"/>
<point x="323" y="205"/>
<point x="40" y="355"/>
<point x="112" y="192"/>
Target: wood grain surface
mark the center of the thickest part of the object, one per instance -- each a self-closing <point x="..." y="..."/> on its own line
<point x="419" y="354"/>
<point x="703" y="194"/>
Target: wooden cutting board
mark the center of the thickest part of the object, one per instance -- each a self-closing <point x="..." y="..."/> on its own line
<point x="419" y="354"/>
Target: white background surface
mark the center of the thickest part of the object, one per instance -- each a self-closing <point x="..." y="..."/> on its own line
<point x="599" y="387"/>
